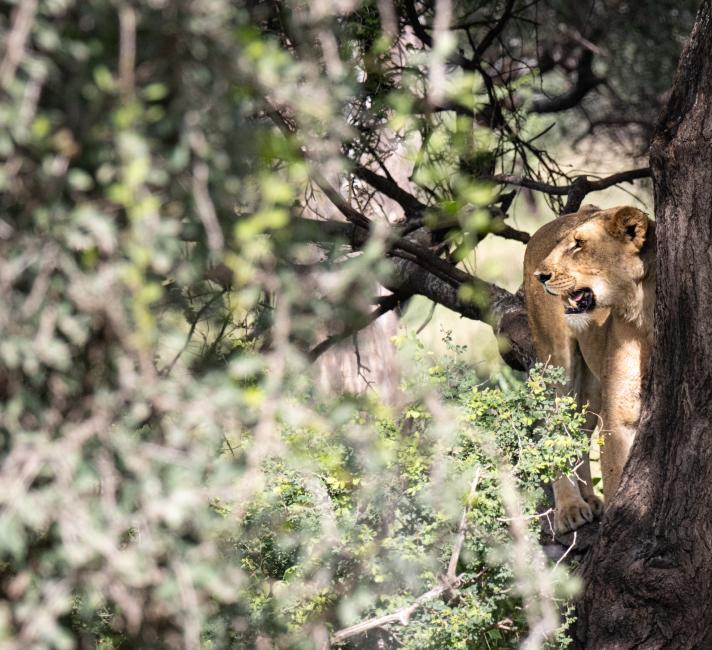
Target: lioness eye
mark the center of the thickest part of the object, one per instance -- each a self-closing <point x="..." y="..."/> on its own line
<point x="578" y="242"/>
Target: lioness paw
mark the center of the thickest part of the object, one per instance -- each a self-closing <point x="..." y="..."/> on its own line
<point x="571" y="516"/>
<point x="596" y="504"/>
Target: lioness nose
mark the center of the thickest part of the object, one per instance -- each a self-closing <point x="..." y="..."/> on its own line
<point x="543" y="277"/>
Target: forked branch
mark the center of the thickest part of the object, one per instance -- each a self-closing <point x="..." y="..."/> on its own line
<point x="577" y="190"/>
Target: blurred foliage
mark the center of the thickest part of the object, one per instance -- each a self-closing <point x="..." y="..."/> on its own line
<point x="168" y="475"/>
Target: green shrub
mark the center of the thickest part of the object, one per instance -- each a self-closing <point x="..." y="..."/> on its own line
<point x="358" y="518"/>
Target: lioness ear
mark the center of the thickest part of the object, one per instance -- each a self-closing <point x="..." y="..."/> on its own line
<point x="628" y="224"/>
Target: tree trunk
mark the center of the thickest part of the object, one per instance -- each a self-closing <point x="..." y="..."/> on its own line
<point x="649" y="576"/>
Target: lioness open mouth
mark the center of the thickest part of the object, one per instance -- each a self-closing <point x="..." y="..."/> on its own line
<point x="580" y="301"/>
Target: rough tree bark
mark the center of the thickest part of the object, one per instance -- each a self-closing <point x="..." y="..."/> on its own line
<point x="649" y="576"/>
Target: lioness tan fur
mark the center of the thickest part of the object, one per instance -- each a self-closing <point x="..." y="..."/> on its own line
<point x="600" y="266"/>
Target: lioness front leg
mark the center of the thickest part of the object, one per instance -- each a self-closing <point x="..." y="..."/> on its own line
<point x="572" y="510"/>
<point x="586" y="488"/>
<point x="621" y="406"/>
<point x="585" y="484"/>
<point x="575" y="500"/>
<point x="614" y="454"/>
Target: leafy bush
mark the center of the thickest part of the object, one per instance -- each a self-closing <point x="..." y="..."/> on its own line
<point x="358" y="517"/>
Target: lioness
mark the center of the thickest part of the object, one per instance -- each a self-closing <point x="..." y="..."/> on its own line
<point x="589" y="283"/>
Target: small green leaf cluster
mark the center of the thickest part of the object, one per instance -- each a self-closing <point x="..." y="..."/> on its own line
<point x="537" y="431"/>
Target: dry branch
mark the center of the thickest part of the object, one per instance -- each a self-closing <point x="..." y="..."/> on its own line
<point x="586" y="81"/>
<point x="401" y="616"/>
<point x="415" y="209"/>
<point x="411" y="205"/>
<point x="460" y="540"/>
<point x="387" y="304"/>
<point x="496" y="30"/>
<point x="505" y="311"/>
<point x="127" y="50"/>
<point x="577" y="190"/>
<point x="563" y="190"/>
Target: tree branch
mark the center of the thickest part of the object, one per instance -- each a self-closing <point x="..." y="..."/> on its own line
<point x="411" y="205"/>
<point x="501" y="229"/>
<point x="401" y="616"/>
<point x="414" y="208"/>
<point x="504" y="311"/>
<point x="586" y="80"/>
<point x="620" y="177"/>
<point x="422" y="106"/>
<point x="387" y="304"/>
<point x="22" y="20"/>
<point x="436" y="278"/>
<point x="397" y="246"/>
<point x="495" y="31"/>
<point x="582" y="186"/>
<point x="530" y="184"/>
<point x="577" y="189"/>
<point x="354" y="216"/>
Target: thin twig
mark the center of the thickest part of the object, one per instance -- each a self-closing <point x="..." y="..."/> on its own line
<point x="460" y="540"/>
<point x="205" y="208"/>
<point x="441" y="33"/>
<point x="428" y="318"/>
<point x="537" y="515"/>
<point x="198" y="317"/>
<point x="568" y="550"/>
<point x="528" y="566"/>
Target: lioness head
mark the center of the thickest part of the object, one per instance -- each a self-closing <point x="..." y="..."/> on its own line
<point x="600" y="263"/>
